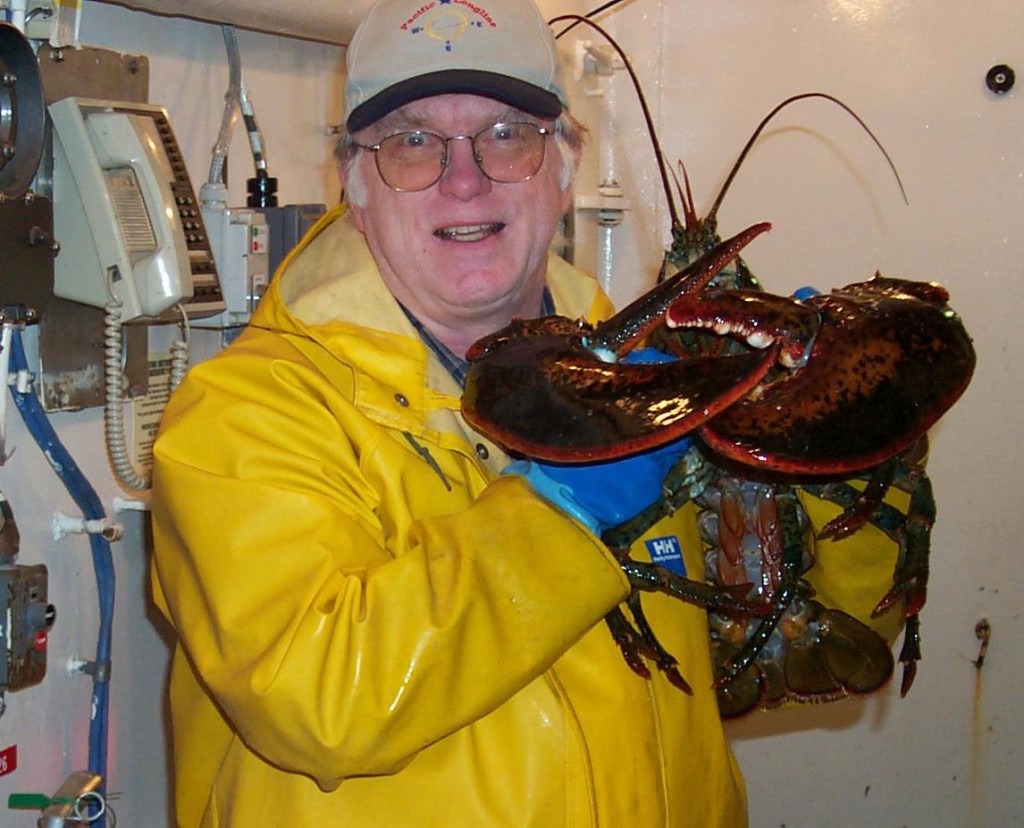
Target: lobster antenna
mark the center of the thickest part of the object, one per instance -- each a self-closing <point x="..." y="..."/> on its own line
<point x="779" y="107"/>
<point x="660" y="156"/>
<point x="589" y="14"/>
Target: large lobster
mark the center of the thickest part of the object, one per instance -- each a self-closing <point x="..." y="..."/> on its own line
<point x="832" y="385"/>
<point x="804" y="395"/>
<point x="785" y="398"/>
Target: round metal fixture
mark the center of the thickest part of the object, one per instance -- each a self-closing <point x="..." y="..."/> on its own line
<point x="22" y="113"/>
<point x="1000" y="79"/>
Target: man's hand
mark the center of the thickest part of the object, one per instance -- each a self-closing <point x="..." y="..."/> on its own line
<point x="606" y="493"/>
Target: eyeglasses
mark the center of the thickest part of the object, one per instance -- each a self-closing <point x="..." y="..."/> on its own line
<point x="505" y="153"/>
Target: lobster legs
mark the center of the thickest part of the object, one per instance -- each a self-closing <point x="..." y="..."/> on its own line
<point x="772" y="642"/>
<point x="637" y="640"/>
<point x="910" y="531"/>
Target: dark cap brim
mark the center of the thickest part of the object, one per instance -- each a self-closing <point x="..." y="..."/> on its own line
<point x="515" y="92"/>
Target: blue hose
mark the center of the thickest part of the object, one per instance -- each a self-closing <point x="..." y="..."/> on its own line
<point x="88" y="501"/>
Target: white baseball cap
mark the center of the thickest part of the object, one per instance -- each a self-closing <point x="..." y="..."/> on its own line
<point x="405" y="50"/>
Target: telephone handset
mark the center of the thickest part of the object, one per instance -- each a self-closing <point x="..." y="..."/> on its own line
<point x="126" y="215"/>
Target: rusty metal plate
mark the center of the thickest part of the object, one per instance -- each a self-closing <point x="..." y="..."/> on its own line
<point x="26" y="252"/>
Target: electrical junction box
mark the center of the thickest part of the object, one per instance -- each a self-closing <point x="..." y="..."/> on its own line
<point x="25" y="620"/>
<point x="288" y="224"/>
<point x="240" y="240"/>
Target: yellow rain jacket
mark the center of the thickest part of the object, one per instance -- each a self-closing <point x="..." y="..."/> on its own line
<point x="374" y="628"/>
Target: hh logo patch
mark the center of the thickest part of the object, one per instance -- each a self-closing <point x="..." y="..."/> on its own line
<point x="668" y="553"/>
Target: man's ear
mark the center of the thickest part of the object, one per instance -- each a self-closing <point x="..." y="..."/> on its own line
<point x="567" y="191"/>
<point x="567" y="199"/>
<point x="355" y="212"/>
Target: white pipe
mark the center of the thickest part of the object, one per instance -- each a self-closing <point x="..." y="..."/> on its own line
<point x="18" y="9"/>
<point x="5" y="366"/>
<point x="606" y="178"/>
<point x="608" y="171"/>
<point x="326" y="20"/>
<point x="606" y="257"/>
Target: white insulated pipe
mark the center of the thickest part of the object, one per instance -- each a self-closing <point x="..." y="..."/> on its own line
<point x="330" y="21"/>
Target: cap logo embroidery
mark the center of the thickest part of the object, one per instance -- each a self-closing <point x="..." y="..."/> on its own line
<point x="447" y="24"/>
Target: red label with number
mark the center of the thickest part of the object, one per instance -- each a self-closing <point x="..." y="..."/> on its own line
<point x="8" y="760"/>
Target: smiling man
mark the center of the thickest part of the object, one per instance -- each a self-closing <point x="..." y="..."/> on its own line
<point x="459" y="247"/>
<point x="376" y="627"/>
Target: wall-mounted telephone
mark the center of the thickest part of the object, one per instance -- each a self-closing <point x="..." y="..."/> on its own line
<point x="125" y="213"/>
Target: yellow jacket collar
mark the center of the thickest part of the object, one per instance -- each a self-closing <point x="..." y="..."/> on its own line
<point x="332" y="277"/>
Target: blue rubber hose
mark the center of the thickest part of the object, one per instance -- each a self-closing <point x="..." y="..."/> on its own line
<point x="84" y="495"/>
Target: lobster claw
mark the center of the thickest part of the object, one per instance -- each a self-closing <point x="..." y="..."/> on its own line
<point x="888" y="359"/>
<point x="553" y="389"/>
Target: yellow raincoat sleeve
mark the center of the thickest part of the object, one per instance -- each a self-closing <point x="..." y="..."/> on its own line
<point x="334" y="648"/>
